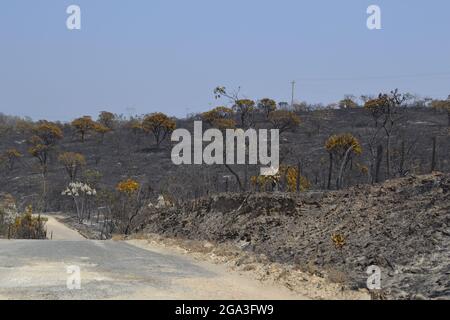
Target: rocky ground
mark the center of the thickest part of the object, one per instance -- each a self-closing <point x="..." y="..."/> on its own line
<point x="401" y="226"/>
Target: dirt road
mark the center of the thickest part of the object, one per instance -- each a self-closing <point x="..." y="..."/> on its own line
<point x="34" y="269"/>
<point x="58" y="231"/>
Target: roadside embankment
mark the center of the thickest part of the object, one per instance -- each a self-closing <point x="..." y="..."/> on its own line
<point x="401" y="226"/>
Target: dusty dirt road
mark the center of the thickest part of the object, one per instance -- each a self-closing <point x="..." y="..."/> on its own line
<point x="34" y="269"/>
<point x="58" y="231"/>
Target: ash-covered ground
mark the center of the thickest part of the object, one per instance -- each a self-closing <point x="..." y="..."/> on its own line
<point x="402" y="226"/>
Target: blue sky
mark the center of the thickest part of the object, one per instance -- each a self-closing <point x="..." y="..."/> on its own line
<point x="143" y="56"/>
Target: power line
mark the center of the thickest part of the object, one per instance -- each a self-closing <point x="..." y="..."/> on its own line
<point x="404" y="76"/>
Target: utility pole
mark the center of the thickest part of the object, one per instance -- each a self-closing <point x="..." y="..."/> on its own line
<point x="293" y="90"/>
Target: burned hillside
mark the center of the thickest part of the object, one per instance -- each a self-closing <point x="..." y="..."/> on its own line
<point x="418" y="144"/>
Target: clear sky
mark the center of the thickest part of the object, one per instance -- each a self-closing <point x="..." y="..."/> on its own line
<point x="143" y="56"/>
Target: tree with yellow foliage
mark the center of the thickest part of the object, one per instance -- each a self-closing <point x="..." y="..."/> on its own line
<point x="46" y="135"/>
<point x="12" y="155"/>
<point x="243" y="107"/>
<point x="102" y="130"/>
<point x="341" y="149"/>
<point x="107" y="119"/>
<point x="377" y="107"/>
<point x="72" y="163"/>
<point x="130" y="205"/>
<point x="159" y="125"/>
<point x="135" y="125"/>
<point x="48" y="132"/>
<point x="83" y="126"/>
<point x="220" y="118"/>
<point x="293" y="179"/>
<point x="128" y="186"/>
<point x="442" y="105"/>
<point x="267" y="106"/>
<point x="348" y="103"/>
<point x="40" y="151"/>
<point x="284" y="120"/>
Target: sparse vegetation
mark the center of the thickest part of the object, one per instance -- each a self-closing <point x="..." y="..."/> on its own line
<point x="27" y="226"/>
<point x="220" y="118"/>
<point x="159" y="125"/>
<point x="12" y="156"/>
<point x="284" y="120"/>
<point x="267" y="106"/>
<point x="16" y="225"/>
<point x="341" y="149"/>
<point x="72" y="163"/>
<point x="128" y="206"/>
<point x="83" y="126"/>
<point x="444" y="106"/>
<point x="113" y="183"/>
<point x="107" y="119"/>
<point x="338" y="240"/>
<point x="355" y="152"/>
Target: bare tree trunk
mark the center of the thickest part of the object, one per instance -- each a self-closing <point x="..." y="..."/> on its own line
<point x="298" y="186"/>
<point x="330" y="170"/>
<point x="343" y="165"/>
<point x="402" y="158"/>
<point x="44" y="190"/>
<point x="388" y="156"/>
<point x="371" y="173"/>
<point x="378" y="163"/>
<point x="236" y="176"/>
<point x="433" y="156"/>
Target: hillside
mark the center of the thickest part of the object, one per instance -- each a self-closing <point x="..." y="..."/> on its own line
<point x="128" y="153"/>
<point x="401" y="226"/>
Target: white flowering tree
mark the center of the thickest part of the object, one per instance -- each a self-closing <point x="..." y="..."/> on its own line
<point x="80" y="193"/>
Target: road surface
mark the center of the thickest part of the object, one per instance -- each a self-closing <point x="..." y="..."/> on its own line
<point x="58" y="231"/>
<point x="37" y="269"/>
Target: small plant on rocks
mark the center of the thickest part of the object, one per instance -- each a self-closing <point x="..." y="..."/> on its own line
<point x="338" y="240"/>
